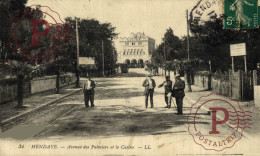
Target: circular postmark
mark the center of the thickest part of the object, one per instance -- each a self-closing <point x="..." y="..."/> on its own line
<point x="37" y="34"/>
<point x="217" y="122"/>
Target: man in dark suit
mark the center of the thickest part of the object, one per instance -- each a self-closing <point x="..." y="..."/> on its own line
<point x="178" y="93"/>
<point x="149" y="85"/>
<point x="167" y="91"/>
<point x="89" y="92"/>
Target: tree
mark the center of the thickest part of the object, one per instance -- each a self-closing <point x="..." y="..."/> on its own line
<point x="64" y="61"/>
<point x="16" y="65"/>
<point x="20" y="70"/>
<point x="91" y="35"/>
<point x="215" y="44"/>
<point x="171" y="45"/>
<point x="8" y="9"/>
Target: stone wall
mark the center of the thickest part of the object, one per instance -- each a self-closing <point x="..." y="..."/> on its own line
<point x="201" y="81"/>
<point x="221" y="87"/>
<point x="39" y="84"/>
<point x="217" y="85"/>
<point x="8" y="87"/>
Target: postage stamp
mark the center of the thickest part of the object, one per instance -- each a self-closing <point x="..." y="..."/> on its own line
<point x="227" y="122"/>
<point x="37" y="36"/>
<point x="258" y="12"/>
<point x="241" y="14"/>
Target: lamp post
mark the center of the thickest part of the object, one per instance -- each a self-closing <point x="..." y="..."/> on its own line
<point x="103" y="59"/>
<point x="77" y="40"/>
<point x="188" y="35"/>
<point x="164" y="51"/>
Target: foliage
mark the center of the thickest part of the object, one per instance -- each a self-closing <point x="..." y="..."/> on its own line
<point x="91" y="35"/>
<point x="171" y="44"/>
<point x="210" y="42"/>
<point x="223" y="76"/>
<point x="214" y="44"/>
<point x="8" y="8"/>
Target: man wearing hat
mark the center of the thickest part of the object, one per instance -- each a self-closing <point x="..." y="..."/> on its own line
<point x="167" y="91"/>
<point x="178" y="92"/>
<point x="149" y="85"/>
<point x="89" y="92"/>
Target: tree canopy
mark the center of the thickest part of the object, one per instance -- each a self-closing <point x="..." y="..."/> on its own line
<point x="91" y="35"/>
<point x="210" y="42"/>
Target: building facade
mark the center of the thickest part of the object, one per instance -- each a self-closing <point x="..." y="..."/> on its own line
<point x="136" y="49"/>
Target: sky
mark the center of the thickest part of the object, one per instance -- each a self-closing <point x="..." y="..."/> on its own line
<point x="152" y="17"/>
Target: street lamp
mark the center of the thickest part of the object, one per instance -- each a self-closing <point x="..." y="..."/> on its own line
<point x="77" y="40"/>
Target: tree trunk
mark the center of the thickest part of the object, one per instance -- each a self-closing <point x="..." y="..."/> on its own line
<point x="188" y="78"/>
<point x="77" y="81"/>
<point x="20" y="83"/>
<point x="58" y="83"/>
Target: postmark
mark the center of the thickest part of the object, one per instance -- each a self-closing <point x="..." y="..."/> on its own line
<point x="204" y="10"/>
<point x="36" y="35"/>
<point x="227" y="122"/>
<point x="240" y="14"/>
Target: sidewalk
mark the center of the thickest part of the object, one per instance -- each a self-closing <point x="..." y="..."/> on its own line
<point x="197" y="92"/>
<point x="33" y="102"/>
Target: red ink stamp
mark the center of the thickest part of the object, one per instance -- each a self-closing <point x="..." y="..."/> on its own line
<point x="36" y="35"/>
<point x="221" y="126"/>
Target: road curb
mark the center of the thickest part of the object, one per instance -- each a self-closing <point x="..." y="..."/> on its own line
<point x="6" y="121"/>
<point x="245" y="134"/>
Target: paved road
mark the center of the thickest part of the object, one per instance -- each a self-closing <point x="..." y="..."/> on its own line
<point x="119" y="112"/>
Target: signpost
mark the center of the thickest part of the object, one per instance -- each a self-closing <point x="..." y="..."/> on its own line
<point x="238" y="50"/>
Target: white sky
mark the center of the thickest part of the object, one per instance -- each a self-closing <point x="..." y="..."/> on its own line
<point x="152" y="17"/>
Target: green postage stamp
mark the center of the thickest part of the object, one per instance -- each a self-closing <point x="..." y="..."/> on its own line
<point x="241" y="14"/>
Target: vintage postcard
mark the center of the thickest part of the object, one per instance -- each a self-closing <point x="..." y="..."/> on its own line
<point x="129" y="77"/>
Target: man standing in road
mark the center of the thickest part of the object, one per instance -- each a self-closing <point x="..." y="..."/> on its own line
<point x="89" y="92"/>
<point x="178" y="93"/>
<point x="167" y="91"/>
<point x="149" y="85"/>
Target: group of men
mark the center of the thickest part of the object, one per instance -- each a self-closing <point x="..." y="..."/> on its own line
<point x="177" y="91"/>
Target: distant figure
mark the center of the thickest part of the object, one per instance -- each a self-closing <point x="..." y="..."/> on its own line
<point x="149" y="85"/>
<point x="156" y="71"/>
<point x="178" y="93"/>
<point x="167" y="91"/>
<point x="89" y="92"/>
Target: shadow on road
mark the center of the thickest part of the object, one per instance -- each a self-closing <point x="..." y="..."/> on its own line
<point x="117" y="120"/>
<point x="114" y="93"/>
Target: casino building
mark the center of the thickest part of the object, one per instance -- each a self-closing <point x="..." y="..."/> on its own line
<point x="135" y="50"/>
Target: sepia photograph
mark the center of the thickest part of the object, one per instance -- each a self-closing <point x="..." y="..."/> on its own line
<point x="129" y="77"/>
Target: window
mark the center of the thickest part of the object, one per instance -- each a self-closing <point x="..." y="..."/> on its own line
<point x="133" y="43"/>
<point x="124" y="53"/>
<point x="127" y="43"/>
<point x="141" y="52"/>
<point x="139" y="43"/>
